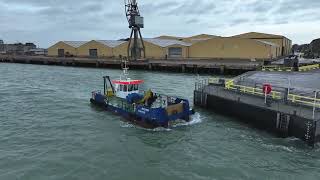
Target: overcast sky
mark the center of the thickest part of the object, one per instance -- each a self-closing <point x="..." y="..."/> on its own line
<point x="45" y="22"/>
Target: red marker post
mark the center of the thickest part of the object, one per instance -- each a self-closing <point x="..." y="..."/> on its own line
<point x="267" y="89"/>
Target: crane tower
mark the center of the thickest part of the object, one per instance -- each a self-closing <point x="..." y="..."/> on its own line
<point x="135" y="21"/>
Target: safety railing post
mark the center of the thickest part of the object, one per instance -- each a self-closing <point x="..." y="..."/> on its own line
<point x="293" y="98"/>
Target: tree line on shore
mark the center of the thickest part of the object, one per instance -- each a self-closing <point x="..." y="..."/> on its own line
<point x="311" y="50"/>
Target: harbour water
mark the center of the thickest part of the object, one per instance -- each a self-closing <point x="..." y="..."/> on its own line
<point x="49" y="130"/>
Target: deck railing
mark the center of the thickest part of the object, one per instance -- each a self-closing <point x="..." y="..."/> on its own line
<point x="230" y="85"/>
<point x="276" y="95"/>
<point x="305" y="100"/>
<point x="309" y="67"/>
<point x="276" y="68"/>
<point x="281" y="68"/>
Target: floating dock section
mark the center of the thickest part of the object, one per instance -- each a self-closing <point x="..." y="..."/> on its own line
<point x="291" y="109"/>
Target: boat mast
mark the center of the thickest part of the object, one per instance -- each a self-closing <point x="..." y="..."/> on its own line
<point x="125" y="70"/>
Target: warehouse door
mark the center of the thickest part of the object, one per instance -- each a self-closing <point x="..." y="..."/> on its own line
<point x="175" y="52"/>
<point x="61" y="52"/>
<point x="93" y="52"/>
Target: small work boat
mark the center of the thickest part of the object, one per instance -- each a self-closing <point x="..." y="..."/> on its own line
<point x="144" y="108"/>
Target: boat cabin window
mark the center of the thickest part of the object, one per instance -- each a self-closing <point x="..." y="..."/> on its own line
<point x="136" y="87"/>
<point x="124" y="88"/>
<point x="130" y="88"/>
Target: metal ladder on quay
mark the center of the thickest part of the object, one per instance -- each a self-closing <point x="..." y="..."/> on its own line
<point x="282" y="126"/>
<point x="200" y="97"/>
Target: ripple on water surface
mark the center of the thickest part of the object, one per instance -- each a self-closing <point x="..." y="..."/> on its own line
<point x="49" y="130"/>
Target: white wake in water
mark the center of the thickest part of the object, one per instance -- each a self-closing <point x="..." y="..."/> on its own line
<point x="195" y="119"/>
<point x="130" y="125"/>
<point x="124" y="124"/>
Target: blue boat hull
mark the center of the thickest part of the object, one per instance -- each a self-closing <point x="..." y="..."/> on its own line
<point x="144" y="116"/>
<point x="130" y="117"/>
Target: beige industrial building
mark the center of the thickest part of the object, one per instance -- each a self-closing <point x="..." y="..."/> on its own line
<point x="284" y="43"/>
<point x="65" y="48"/>
<point x="253" y="46"/>
<point x="161" y="48"/>
<point x="233" y="48"/>
<point x="166" y="48"/>
<point x="102" y="48"/>
<point x="200" y="37"/>
<point x="155" y="48"/>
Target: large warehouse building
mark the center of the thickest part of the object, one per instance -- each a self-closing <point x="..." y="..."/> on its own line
<point x="166" y="48"/>
<point x="233" y="48"/>
<point x="284" y="43"/>
<point x="65" y="48"/>
<point x="253" y="46"/>
<point x="102" y="48"/>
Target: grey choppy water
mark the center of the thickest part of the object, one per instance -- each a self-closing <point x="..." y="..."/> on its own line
<point x="49" y="130"/>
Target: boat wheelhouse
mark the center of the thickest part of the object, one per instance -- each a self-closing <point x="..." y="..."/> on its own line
<point x="126" y="87"/>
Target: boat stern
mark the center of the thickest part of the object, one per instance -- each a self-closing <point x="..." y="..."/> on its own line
<point x="98" y="98"/>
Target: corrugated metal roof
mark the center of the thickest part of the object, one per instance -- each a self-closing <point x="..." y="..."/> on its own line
<point x="111" y="43"/>
<point x="115" y="43"/>
<point x="198" y="39"/>
<point x="268" y="43"/>
<point x="253" y="35"/>
<point x="75" y="44"/>
<point x="166" y="42"/>
<point x="202" y="36"/>
<point x="169" y="37"/>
